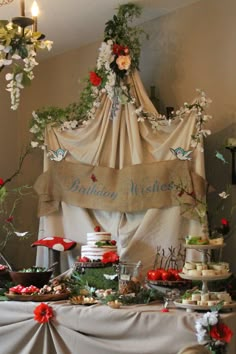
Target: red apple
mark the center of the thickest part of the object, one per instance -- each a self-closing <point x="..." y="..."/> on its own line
<point x="166" y="275"/>
<point x="154" y="274"/>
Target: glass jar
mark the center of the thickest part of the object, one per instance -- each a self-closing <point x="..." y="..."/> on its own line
<point x="130" y="277"/>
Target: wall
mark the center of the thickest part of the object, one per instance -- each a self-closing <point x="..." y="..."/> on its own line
<point x="191" y="48"/>
<point x="195" y="48"/>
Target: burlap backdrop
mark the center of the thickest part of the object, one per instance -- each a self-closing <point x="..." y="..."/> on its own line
<point x="131" y="193"/>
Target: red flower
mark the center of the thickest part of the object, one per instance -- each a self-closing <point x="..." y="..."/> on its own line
<point x="221" y="332"/>
<point x="43" y="313"/>
<point x="224" y="222"/>
<point x="10" y="219"/>
<point x="110" y="257"/>
<point x="120" y="49"/>
<point x="1" y="182"/>
<point x="95" y="79"/>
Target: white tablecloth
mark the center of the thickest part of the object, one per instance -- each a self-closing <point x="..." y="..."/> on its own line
<point x="98" y="329"/>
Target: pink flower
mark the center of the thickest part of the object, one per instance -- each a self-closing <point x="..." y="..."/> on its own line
<point x="43" y="313"/>
<point x="95" y="79"/>
<point x="1" y="182"/>
<point x="123" y="62"/>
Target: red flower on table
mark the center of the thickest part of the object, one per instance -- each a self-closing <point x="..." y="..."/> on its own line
<point x="221" y="332"/>
<point x="43" y="313"/>
<point x="110" y="257"/>
<point x="95" y="79"/>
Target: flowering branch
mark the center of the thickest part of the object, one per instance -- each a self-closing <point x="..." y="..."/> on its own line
<point x="18" y="50"/>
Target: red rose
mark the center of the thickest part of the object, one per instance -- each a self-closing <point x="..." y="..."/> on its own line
<point x="43" y="313"/>
<point x="1" y="182"/>
<point x="221" y="332"/>
<point x="95" y="79"/>
<point x="110" y="257"/>
<point x="120" y="49"/>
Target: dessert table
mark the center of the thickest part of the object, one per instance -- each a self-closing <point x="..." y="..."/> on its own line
<point x="99" y="329"/>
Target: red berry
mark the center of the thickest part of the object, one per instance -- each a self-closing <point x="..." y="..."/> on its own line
<point x="97" y="229"/>
<point x="113" y="242"/>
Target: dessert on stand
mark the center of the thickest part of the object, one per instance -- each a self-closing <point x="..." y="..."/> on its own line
<point x="204" y="271"/>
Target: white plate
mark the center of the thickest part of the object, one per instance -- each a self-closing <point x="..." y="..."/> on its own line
<point x="179" y="304"/>
<point x="205" y="278"/>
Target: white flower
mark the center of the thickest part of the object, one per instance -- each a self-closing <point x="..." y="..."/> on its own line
<point x="9" y="76"/>
<point x="210" y="318"/>
<point x="34" y="129"/>
<point x="34" y="144"/>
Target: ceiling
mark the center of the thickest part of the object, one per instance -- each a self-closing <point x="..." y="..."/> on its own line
<point x="71" y="24"/>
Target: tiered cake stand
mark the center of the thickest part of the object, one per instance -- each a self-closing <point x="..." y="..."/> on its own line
<point x="204" y="279"/>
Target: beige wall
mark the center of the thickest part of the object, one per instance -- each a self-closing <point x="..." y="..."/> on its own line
<point x="194" y="47"/>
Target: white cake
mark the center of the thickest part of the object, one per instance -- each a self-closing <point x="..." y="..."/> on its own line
<point x="98" y="243"/>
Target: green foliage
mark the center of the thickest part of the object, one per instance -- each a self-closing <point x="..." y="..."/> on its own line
<point x="94" y="277"/>
<point x="120" y="32"/>
<point x="145" y="296"/>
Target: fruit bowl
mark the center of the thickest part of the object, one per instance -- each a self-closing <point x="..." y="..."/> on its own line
<point x="39" y="278"/>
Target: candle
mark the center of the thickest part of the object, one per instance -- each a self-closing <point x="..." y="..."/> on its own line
<point x="35" y="11"/>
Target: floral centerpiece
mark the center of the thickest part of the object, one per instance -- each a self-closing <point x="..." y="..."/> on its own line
<point x="18" y="51"/>
<point x="212" y="331"/>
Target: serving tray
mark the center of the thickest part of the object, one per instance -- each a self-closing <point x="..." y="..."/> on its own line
<point x="37" y="298"/>
<point x="178" y="303"/>
<point x="205" y="278"/>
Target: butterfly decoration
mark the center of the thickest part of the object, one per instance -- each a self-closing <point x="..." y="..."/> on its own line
<point x="57" y="155"/>
<point x="219" y="156"/>
<point x="181" y="154"/>
<point x="21" y="234"/>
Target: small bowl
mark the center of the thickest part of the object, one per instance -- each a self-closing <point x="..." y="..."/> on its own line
<point x="38" y="279"/>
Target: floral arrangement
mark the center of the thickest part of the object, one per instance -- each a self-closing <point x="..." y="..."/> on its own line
<point x="213" y="331"/>
<point x="18" y="51"/>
